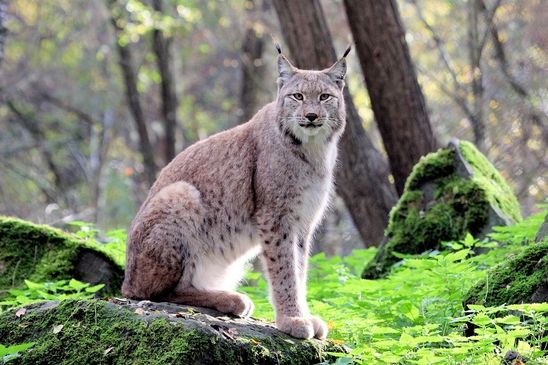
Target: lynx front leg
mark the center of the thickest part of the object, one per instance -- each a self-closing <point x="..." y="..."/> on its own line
<point x="303" y="252"/>
<point x="280" y="255"/>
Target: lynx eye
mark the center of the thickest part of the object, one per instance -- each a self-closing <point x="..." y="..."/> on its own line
<point x="298" y="96"/>
<point x="324" y="97"/>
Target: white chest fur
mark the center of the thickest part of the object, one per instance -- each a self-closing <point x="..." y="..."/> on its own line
<point x="315" y="197"/>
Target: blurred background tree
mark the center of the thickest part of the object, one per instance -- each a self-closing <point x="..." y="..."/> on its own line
<point x="362" y="176"/>
<point x="98" y="95"/>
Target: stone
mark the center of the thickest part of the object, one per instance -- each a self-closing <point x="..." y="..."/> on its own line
<point x="41" y="253"/>
<point x="522" y="278"/>
<point x="449" y="193"/>
<point x="121" y="331"/>
<point x="543" y="230"/>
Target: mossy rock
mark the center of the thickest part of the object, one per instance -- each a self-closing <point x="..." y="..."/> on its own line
<point x="520" y="279"/>
<point x="41" y="253"/>
<point x="129" y="332"/>
<point x="543" y="230"/>
<point x="449" y="193"/>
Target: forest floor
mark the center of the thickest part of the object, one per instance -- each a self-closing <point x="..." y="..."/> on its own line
<point x="413" y="316"/>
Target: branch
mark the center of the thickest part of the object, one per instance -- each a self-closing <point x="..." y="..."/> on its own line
<point x="473" y="117"/>
<point x="54" y="100"/>
<point x="161" y="45"/>
<point x="3" y="29"/>
<point x="83" y="215"/>
<point x="489" y="23"/>
<point x="10" y="152"/>
<point x="535" y="115"/>
<point x="125" y="61"/>
<point x="439" y="45"/>
<point x="459" y="100"/>
<point x="50" y="197"/>
<point x="39" y="137"/>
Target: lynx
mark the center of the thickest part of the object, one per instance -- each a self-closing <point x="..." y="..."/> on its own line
<point x="259" y="188"/>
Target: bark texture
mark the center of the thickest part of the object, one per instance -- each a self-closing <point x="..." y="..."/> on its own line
<point x="125" y="60"/>
<point x="161" y="45"/>
<point x="362" y="176"/>
<point x="3" y="29"/>
<point x="535" y="115"/>
<point x="475" y="48"/>
<point x="252" y="65"/>
<point x="61" y="183"/>
<point x="396" y="97"/>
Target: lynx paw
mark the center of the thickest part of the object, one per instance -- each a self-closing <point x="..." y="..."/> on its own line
<point x="320" y="328"/>
<point x="300" y="327"/>
<point x="235" y="303"/>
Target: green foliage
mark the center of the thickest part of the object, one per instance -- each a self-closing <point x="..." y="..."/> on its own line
<point x="58" y="290"/>
<point x="438" y="204"/>
<point x="143" y="19"/>
<point x="52" y="251"/>
<point x="485" y="175"/>
<point x="43" y="254"/>
<point x="415" y="315"/>
<point x="112" y="243"/>
<point x="11" y="352"/>
<point x="98" y="332"/>
<point x="515" y="280"/>
<point x="523" y="231"/>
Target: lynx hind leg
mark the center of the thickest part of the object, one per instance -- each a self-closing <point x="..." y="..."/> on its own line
<point x="224" y="301"/>
<point x="210" y="284"/>
<point x="158" y="249"/>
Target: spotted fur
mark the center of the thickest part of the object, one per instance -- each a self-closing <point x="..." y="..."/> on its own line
<point x="259" y="188"/>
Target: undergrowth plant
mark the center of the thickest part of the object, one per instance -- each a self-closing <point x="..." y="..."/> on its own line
<point x="113" y="242"/>
<point x="8" y="353"/>
<point x="414" y="316"/>
<point x="58" y="290"/>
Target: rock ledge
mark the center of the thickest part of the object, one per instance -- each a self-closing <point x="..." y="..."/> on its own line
<point x="120" y="331"/>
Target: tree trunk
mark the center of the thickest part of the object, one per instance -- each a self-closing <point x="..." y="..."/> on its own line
<point x="33" y="128"/>
<point x="396" y="97"/>
<point x="536" y="116"/>
<point x="3" y="29"/>
<point x="252" y="64"/>
<point x="98" y="155"/>
<point x="362" y="177"/>
<point x="98" y="146"/>
<point x="161" y="45"/>
<point x="132" y="95"/>
<point x="474" y="54"/>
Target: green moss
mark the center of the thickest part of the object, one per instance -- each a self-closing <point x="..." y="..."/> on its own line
<point x="438" y="204"/>
<point x="431" y="167"/>
<point x="40" y="253"/>
<point x="97" y="332"/>
<point x="515" y="280"/>
<point x="498" y="192"/>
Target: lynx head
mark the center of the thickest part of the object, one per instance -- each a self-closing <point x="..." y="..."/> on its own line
<point x="311" y="103"/>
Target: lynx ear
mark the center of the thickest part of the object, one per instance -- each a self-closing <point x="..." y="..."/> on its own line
<point x="285" y="68"/>
<point x="337" y="72"/>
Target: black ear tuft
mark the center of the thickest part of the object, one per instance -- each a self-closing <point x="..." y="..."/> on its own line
<point x="337" y="72"/>
<point x="285" y="68"/>
<point x="347" y="51"/>
<point x="276" y="43"/>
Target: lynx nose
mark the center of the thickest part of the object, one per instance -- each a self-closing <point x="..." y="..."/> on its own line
<point x="311" y="116"/>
